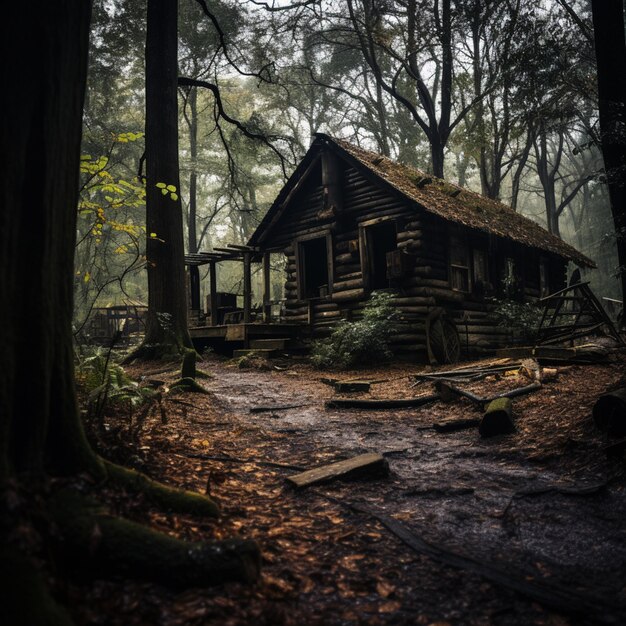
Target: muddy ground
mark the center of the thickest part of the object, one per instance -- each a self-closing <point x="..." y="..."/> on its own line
<point x="524" y="528"/>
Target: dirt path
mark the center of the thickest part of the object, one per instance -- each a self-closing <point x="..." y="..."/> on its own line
<point x="542" y="506"/>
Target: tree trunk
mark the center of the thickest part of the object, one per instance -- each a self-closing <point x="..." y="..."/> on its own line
<point x="610" y="45"/>
<point x="166" y="328"/>
<point x="192" y="245"/>
<point x="41" y="132"/>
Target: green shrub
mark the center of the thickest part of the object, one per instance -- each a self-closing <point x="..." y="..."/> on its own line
<point x="521" y="319"/>
<point x="359" y="342"/>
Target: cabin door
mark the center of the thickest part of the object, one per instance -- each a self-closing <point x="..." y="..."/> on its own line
<point x="313" y="268"/>
<point x="380" y="240"/>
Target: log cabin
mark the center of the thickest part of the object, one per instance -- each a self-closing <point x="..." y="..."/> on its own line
<point x="351" y="222"/>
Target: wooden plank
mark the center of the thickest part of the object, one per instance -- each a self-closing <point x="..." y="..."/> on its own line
<point x="235" y="332"/>
<point x="347" y="386"/>
<point x="381" y="404"/>
<point x="371" y="464"/>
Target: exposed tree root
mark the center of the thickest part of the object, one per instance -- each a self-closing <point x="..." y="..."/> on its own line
<point x="167" y="498"/>
<point x="153" y="352"/>
<point x="96" y="543"/>
<point x="24" y="596"/>
<point x="189" y="384"/>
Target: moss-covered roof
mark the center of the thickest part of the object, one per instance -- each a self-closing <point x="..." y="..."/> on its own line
<point x="460" y="205"/>
<point x="437" y="196"/>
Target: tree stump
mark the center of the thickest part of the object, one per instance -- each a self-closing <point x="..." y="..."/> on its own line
<point x="497" y="418"/>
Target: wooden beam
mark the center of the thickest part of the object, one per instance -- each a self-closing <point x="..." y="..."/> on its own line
<point x="247" y="288"/>
<point x="194" y="287"/>
<point x="213" y="296"/>
<point x="267" y="307"/>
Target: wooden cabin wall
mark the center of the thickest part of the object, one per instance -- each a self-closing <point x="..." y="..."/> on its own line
<point x="425" y="238"/>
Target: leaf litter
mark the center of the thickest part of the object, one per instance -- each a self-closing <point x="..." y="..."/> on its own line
<point x="324" y="563"/>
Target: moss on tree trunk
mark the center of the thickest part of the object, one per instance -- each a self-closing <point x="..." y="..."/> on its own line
<point x="41" y="434"/>
<point x="118" y="546"/>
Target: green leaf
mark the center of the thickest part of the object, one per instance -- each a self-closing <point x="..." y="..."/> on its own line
<point x="164" y="192"/>
<point x="174" y="196"/>
<point x="171" y="188"/>
<point x="161" y="185"/>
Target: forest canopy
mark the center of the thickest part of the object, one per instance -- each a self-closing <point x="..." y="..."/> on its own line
<point x="500" y="97"/>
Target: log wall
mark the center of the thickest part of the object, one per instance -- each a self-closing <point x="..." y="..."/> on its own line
<point x="425" y="286"/>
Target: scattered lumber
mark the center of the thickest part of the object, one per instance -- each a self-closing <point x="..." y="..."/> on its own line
<point x="372" y="465"/>
<point x="450" y="426"/>
<point x="381" y="404"/>
<point x="275" y="407"/>
<point x="349" y="387"/>
<point x="449" y="392"/>
<point x="497" y="419"/>
<point x="609" y="413"/>
<point x="520" y="391"/>
<point x="548" y="374"/>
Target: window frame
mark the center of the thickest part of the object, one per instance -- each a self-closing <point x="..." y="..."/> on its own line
<point x="460" y="238"/>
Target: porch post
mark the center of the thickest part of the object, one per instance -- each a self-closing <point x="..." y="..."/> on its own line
<point x="213" y="296"/>
<point x="267" y="307"/>
<point x="247" y="288"/>
<point x="194" y="284"/>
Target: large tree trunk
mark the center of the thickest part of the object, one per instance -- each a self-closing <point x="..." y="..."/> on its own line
<point x="608" y="25"/>
<point x="41" y="432"/>
<point x="166" y="329"/>
<point x="41" y="132"/>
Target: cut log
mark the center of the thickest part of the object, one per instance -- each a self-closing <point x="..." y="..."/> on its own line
<point x="381" y="404"/>
<point x="370" y="465"/>
<point x="498" y="418"/>
<point x="609" y="413"/>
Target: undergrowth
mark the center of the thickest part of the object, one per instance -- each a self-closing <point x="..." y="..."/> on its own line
<point x="361" y="342"/>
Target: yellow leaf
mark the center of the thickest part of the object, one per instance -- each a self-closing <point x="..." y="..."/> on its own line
<point x="171" y="188"/>
<point x="87" y="277"/>
<point x="174" y="196"/>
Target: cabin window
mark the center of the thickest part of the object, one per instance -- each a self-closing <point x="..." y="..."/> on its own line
<point x="380" y="239"/>
<point x="313" y="278"/>
<point x="480" y="266"/>
<point x="459" y="264"/>
<point x="544" y="277"/>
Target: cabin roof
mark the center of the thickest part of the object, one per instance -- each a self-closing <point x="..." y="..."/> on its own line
<point x="447" y="200"/>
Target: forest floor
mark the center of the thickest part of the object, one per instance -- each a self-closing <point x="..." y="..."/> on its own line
<point x="493" y="522"/>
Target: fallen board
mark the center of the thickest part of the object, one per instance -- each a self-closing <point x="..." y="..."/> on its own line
<point x="343" y="386"/>
<point x="454" y="425"/>
<point x="371" y="464"/>
<point x="381" y="404"/>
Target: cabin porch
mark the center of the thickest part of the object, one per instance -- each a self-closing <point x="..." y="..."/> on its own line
<point x="227" y="327"/>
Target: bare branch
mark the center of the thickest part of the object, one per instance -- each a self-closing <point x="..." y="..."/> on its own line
<point x="214" y="89"/>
